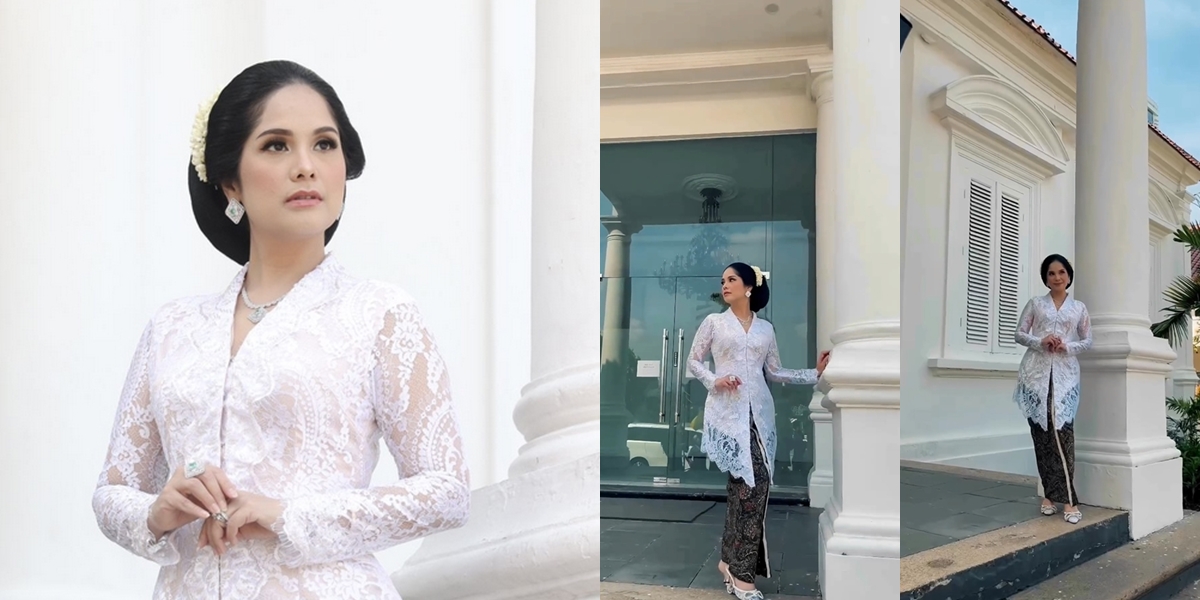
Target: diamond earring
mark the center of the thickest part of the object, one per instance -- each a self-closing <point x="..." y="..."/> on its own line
<point x="747" y="293"/>
<point x="235" y="211"/>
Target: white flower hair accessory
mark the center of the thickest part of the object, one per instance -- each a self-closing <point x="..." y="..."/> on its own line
<point x="758" y="276"/>
<point x="199" y="135"/>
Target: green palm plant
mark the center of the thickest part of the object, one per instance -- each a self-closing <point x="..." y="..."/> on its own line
<point x="1183" y="427"/>
<point x="1183" y="297"/>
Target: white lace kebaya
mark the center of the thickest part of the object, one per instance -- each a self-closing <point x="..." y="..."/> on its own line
<point x="1070" y="323"/>
<point x="296" y="415"/>
<point x="753" y="357"/>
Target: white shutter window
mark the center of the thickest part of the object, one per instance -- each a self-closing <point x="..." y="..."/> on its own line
<point x="979" y="264"/>
<point x="992" y="215"/>
<point x="1010" y="266"/>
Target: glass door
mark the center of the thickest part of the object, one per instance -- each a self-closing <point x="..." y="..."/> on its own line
<point x="693" y="302"/>
<point x="664" y="402"/>
<point x="672" y="216"/>
<point x="636" y="354"/>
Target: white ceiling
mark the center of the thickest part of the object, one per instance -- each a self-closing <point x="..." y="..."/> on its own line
<point x="649" y="27"/>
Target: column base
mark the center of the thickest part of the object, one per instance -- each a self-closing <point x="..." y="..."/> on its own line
<point x="820" y="477"/>
<point x="557" y="414"/>
<point x="1183" y="383"/>
<point x="1153" y="493"/>
<point x="1123" y="457"/>
<point x="859" y="557"/>
<point x="530" y="536"/>
<point x="860" y="528"/>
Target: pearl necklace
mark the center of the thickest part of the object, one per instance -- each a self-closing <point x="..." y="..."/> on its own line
<point x="258" y="311"/>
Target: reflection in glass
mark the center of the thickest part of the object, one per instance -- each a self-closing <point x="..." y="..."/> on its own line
<point x="673" y="215"/>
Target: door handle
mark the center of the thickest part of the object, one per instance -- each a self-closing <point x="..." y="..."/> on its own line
<point x="678" y="373"/>
<point x="662" y="378"/>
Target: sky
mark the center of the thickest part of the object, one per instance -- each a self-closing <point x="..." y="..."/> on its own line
<point x="1172" y="60"/>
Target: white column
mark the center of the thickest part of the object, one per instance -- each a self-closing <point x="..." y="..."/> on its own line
<point x="1124" y="459"/>
<point x="820" y="478"/>
<point x="614" y="416"/>
<point x="860" y="527"/>
<point x="535" y="534"/>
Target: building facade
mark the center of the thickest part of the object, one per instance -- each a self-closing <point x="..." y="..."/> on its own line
<point x="757" y="133"/>
<point x="1008" y="159"/>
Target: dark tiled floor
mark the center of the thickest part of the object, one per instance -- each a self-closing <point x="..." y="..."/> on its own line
<point x="1191" y="592"/>
<point x="939" y="508"/>
<point x="682" y="553"/>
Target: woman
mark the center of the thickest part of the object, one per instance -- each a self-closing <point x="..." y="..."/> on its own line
<point x="739" y="417"/>
<point x="249" y="425"/>
<point x="1055" y="328"/>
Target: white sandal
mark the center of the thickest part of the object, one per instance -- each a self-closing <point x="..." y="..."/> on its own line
<point x="1049" y="509"/>
<point x="748" y="594"/>
<point x="1073" y="517"/>
<point x="733" y="590"/>
<point x="728" y="580"/>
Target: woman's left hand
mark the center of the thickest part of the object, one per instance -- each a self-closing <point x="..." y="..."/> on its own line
<point x="250" y="516"/>
<point x="212" y="533"/>
<point x="822" y="362"/>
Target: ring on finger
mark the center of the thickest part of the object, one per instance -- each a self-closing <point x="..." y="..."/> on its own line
<point x="193" y="468"/>
<point x="221" y="518"/>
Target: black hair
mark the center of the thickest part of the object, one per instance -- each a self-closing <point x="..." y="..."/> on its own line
<point x="234" y="115"/>
<point x="1058" y="258"/>
<point x="759" y="294"/>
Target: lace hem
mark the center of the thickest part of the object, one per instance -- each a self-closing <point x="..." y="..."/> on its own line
<point x="725" y="450"/>
<point x="1033" y="406"/>
<point x="1066" y="407"/>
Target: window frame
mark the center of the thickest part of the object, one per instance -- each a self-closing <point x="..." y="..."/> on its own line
<point x="967" y="168"/>
<point x="973" y="154"/>
<point x="992" y="124"/>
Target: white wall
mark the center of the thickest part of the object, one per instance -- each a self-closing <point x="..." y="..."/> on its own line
<point x="936" y="410"/>
<point x="97" y="101"/>
<point x="706" y="115"/>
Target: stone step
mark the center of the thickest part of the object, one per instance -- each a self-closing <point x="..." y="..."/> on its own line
<point x="997" y="564"/>
<point x="1155" y="567"/>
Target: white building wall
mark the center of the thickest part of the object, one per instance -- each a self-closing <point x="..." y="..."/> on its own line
<point x="943" y="418"/>
<point x="965" y="416"/>
<point x="712" y="114"/>
<point x="98" y="100"/>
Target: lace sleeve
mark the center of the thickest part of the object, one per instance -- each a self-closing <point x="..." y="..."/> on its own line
<point x="414" y="411"/>
<point x="700" y="348"/>
<point x="1084" y="331"/>
<point x="135" y="469"/>
<point x="1023" y="334"/>
<point x="775" y="371"/>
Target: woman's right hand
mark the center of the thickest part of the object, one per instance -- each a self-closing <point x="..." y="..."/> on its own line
<point x="728" y="383"/>
<point x="1050" y="342"/>
<point x="184" y="500"/>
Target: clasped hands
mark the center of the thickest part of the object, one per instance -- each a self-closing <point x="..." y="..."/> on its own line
<point x="205" y="496"/>
<point x="1053" y="343"/>
<point x="730" y="383"/>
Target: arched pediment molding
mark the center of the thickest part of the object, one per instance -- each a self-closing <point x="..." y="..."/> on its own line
<point x="993" y="108"/>
<point x="1170" y="209"/>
